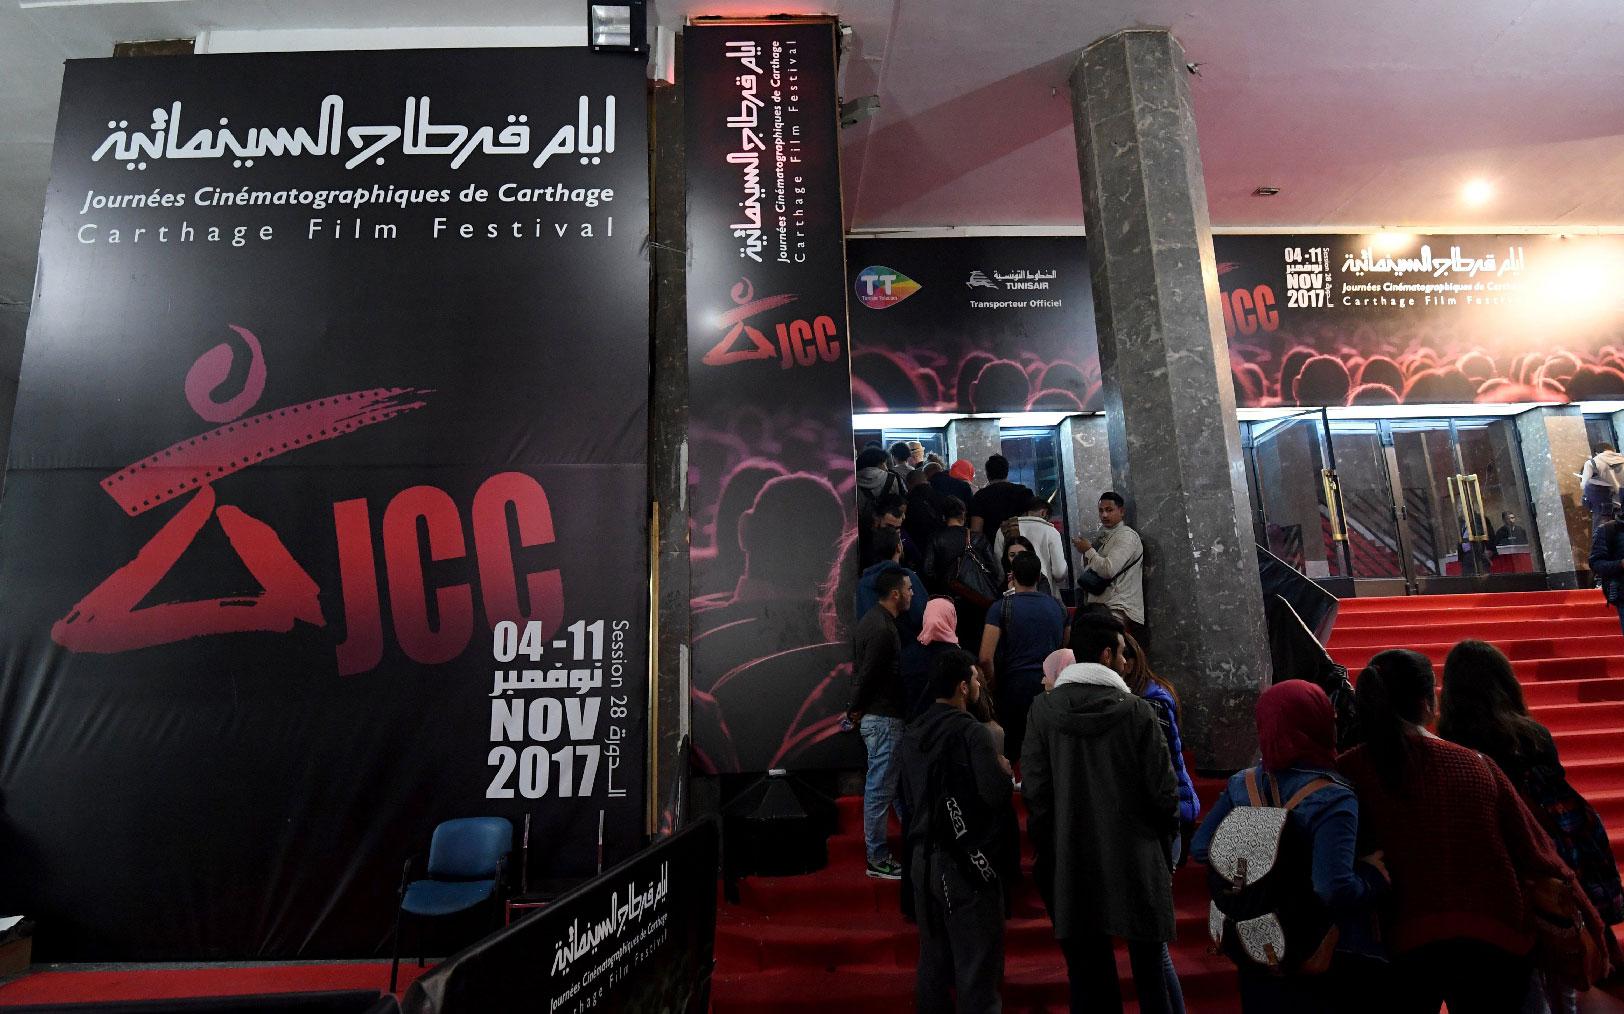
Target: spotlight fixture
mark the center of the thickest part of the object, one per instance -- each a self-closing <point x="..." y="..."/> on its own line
<point x="618" y="28"/>
<point x="1265" y="191"/>
<point x="1477" y="192"/>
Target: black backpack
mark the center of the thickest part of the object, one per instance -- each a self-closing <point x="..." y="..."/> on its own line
<point x="1265" y="914"/>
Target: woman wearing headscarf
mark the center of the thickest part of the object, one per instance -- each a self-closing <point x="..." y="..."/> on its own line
<point x="1296" y="729"/>
<point x="937" y="634"/>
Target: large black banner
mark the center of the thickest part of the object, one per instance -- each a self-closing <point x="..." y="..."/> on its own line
<point x="770" y="468"/>
<point x="641" y="937"/>
<point x="983" y="324"/>
<point x="1398" y="318"/>
<point x="325" y="513"/>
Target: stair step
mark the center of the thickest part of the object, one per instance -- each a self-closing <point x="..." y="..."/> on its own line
<point x="1468" y="600"/>
<point x="1561" y="692"/>
<point x="1401" y="618"/>
<point x="1515" y="648"/>
<point x="1459" y="626"/>
<point x="1560" y="718"/>
<point x="1593" y="744"/>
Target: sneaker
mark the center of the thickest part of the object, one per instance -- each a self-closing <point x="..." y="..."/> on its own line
<point x="885" y="869"/>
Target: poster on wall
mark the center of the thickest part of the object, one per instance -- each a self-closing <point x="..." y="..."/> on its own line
<point x="770" y="467"/>
<point x="981" y="324"/>
<point x="1396" y="318"/>
<point x="324" y="519"/>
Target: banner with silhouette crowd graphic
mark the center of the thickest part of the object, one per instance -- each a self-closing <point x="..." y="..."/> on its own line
<point x="1006" y="324"/>
<point x="981" y="324"/>
<point x="324" y="519"/>
<point x="771" y="485"/>
<point x="1403" y="319"/>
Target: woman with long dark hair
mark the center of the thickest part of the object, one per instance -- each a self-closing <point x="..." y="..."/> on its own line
<point x="1483" y="709"/>
<point x="1459" y="842"/>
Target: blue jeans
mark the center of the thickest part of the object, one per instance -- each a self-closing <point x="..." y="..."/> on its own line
<point x="881" y="737"/>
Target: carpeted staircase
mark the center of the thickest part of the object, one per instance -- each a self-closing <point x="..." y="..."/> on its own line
<point x="833" y="940"/>
<point x="1567" y="652"/>
<point x="836" y="941"/>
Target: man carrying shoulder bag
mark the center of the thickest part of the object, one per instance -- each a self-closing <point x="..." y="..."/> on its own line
<point x="1112" y="573"/>
<point x="957" y="797"/>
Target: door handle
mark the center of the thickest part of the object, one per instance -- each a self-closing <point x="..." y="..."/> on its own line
<point x="1478" y="524"/>
<point x="1333" y="504"/>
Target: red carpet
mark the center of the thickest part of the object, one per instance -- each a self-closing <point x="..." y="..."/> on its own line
<point x="156" y="983"/>
<point x="833" y="940"/>
<point x="1567" y="652"/>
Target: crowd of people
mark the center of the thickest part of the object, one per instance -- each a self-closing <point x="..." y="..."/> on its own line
<point x="1429" y="852"/>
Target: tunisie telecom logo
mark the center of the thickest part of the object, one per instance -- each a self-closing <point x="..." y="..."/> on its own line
<point x="111" y="619"/>
<point x="879" y="287"/>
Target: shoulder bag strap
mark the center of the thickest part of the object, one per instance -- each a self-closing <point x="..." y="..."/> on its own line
<point x="1306" y="791"/>
<point x="1253" y="797"/>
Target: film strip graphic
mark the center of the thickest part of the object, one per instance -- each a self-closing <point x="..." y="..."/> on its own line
<point x="185" y="466"/>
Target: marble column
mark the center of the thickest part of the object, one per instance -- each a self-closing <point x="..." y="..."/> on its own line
<point x="668" y="453"/>
<point x="1554" y="449"/>
<point x="1170" y="403"/>
<point x="1085" y="456"/>
<point x="974" y="440"/>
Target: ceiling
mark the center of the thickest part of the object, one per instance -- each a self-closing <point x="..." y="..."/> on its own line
<point x="1373" y="113"/>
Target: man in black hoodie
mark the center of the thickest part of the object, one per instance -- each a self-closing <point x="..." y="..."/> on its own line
<point x="957" y="797"/>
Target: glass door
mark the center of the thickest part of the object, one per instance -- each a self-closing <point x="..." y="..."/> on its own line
<point x="1295" y="497"/>
<point x="1465" y="504"/>
<point x="1324" y="502"/>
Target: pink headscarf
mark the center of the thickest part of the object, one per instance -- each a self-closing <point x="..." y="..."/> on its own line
<point x="941" y="622"/>
<point x="1056" y="661"/>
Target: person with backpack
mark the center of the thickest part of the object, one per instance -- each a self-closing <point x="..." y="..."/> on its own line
<point x="1296" y="819"/>
<point x="1600" y="480"/>
<point x="1022" y="629"/>
<point x="875" y="479"/>
<point x="1476" y="881"/>
<point x="958" y="563"/>
<point x="1101" y="803"/>
<point x="957" y="797"/>
<point x="1483" y="709"/>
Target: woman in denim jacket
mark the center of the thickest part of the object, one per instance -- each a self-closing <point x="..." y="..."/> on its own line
<point x="1297" y="735"/>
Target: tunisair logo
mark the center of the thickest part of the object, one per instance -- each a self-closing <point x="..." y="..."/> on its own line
<point x="879" y="287"/>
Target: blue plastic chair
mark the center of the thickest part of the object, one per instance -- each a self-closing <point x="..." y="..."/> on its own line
<point x="467" y="861"/>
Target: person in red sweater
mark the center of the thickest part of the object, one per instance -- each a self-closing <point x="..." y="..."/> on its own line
<point x="1459" y="843"/>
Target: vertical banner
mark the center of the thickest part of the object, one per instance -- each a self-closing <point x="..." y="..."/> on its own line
<point x="770" y="471"/>
<point x="323" y="521"/>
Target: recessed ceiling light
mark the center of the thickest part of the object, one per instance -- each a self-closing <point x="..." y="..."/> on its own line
<point x="1265" y="191"/>
<point x="1477" y="192"/>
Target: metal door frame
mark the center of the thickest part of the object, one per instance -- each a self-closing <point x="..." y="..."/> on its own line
<point x="1438" y="584"/>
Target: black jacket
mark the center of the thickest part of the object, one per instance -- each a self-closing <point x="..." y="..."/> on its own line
<point x="955" y="792"/>
<point x="877" y="665"/>
<point x="1607" y="559"/>
<point x="942" y="557"/>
